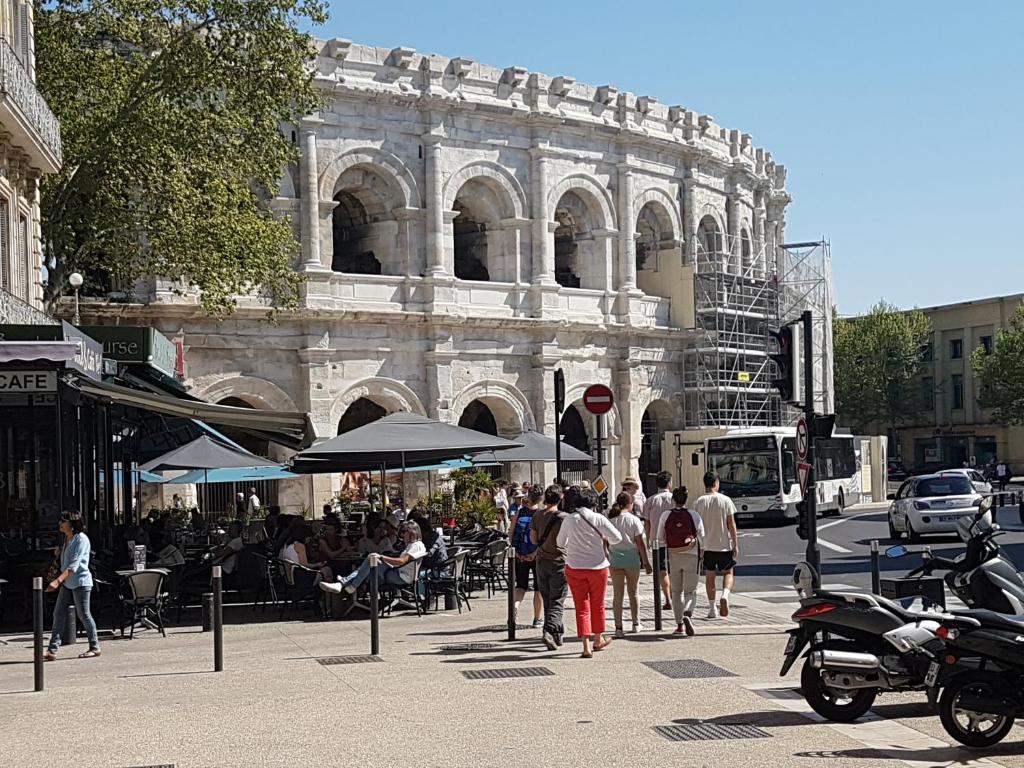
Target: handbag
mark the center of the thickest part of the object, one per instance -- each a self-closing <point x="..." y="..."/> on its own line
<point x="607" y="546"/>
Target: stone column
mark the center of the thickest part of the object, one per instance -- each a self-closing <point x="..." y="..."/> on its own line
<point x="629" y="420"/>
<point x="436" y="266"/>
<point x="764" y="259"/>
<point x="627" y="231"/>
<point x="732" y="225"/>
<point x="690" y="213"/>
<point x="543" y="235"/>
<point x="310" y="239"/>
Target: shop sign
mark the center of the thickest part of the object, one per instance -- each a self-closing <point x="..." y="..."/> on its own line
<point x="28" y="381"/>
<point x="89" y="357"/>
<point x="137" y="344"/>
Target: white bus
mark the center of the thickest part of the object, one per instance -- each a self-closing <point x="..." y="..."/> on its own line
<point x="757" y="469"/>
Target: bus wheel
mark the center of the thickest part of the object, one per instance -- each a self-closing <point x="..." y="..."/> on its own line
<point x="840" y="503"/>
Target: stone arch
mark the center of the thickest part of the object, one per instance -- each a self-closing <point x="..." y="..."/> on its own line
<point x="390" y="394"/>
<point x="390" y="167"/>
<point x="257" y="392"/>
<point x="594" y="194"/>
<point x="613" y="424"/>
<point x="658" y="229"/>
<point x="668" y="209"/>
<point x="493" y="176"/>
<point x="511" y="409"/>
<point x="746" y="252"/>
<point x="658" y="416"/>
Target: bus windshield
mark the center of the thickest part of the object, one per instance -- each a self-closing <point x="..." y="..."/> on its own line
<point x="754" y="473"/>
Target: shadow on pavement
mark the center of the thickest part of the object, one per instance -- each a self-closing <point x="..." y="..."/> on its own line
<point x="928" y="756"/>
<point x="169" y="674"/>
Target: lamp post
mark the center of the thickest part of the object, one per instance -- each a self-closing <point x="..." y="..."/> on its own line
<point x="76" y="281"/>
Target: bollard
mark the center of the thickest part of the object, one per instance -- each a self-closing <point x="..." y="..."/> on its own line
<point x="657" y="590"/>
<point x="37" y="620"/>
<point x="1020" y="508"/>
<point x="70" y="627"/>
<point x="218" y="621"/>
<point x="511" y="554"/>
<point x="207" y="607"/>
<point x="374" y="607"/>
<point x="876" y="576"/>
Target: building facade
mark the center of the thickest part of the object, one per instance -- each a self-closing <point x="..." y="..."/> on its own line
<point x="955" y="428"/>
<point x="466" y="230"/>
<point x="30" y="146"/>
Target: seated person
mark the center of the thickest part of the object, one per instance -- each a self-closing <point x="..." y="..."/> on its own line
<point x="397" y="570"/>
<point x="294" y="549"/>
<point x="333" y="544"/>
<point x="376" y="541"/>
<point x="164" y="554"/>
<point x="437" y="550"/>
<point x="196" y="521"/>
<point x="227" y="556"/>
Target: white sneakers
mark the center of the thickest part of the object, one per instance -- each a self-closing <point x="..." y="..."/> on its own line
<point x="723" y="607"/>
<point x="335" y="588"/>
<point x="638" y="628"/>
<point x="713" y="611"/>
<point x="619" y="633"/>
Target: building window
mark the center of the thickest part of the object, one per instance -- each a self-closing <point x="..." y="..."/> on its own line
<point x="958" y="391"/>
<point x="23" y="272"/>
<point x="927" y="352"/>
<point x="986" y="344"/>
<point x="5" y="247"/>
<point x="956" y="349"/>
<point x="928" y="392"/>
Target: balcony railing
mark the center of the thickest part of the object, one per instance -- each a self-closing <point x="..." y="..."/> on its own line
<point x="17" y="85"/>
<point x="14" y="311"/>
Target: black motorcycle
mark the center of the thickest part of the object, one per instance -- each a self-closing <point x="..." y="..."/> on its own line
<point x="861" y="644"/>
<point x="981" y="674"/>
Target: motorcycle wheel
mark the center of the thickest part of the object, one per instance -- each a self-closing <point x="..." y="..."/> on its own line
<point x="838" y="706"/>
<point x="970" y="728"/>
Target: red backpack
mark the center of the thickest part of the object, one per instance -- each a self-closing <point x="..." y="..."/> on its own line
<point x="680" y="530"/>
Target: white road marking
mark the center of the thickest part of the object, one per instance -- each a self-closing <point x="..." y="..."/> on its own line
<point x="834" y="547"/>
<point x="842" y="520"/>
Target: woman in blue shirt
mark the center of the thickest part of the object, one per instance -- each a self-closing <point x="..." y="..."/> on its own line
<point x="74" y="583"/>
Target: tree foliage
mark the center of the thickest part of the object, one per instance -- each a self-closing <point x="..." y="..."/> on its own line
<point x="171" y="116"/>
<point x="878" y="364"/>
<point x="1001" y="374"/>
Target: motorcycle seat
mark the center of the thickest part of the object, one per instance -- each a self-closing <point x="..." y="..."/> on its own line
<point x="994" y="620"/>
<point x="882" y="602"/>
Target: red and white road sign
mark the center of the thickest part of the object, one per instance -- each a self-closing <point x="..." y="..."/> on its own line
<point x="803" y="471"/>
<point x="598" y="399"/>
<point x="803" y="438"/>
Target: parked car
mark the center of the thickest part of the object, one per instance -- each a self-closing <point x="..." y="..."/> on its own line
<point x="931" y="504"/>
<point x="981" y="485"/>
<point x="896" y="471"/>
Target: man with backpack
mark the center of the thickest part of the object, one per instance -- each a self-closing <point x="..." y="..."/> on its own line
<point x="526" y="551"/>
<point x="681" y="531"/>
<point x="655" y="508"/>
<point x="550" y="558"/>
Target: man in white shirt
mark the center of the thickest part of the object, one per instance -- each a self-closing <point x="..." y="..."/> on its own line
<point x="399" y="570"/>
<point x="253" y="505"/>
<point x="721" y="542"/>
<point x="659" y="505"/>
<point x="501" y="502"/>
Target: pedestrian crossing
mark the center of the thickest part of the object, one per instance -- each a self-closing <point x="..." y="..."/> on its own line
<point x="788" y="596"/>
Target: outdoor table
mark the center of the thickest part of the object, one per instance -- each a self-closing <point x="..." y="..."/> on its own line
<point x="128" y="572"/>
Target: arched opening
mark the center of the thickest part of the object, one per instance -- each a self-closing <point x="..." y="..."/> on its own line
<point x="360" y="413"/>
<point x="746" y="253"/>
<point x="223" y="496"/>
<point x="363" y="228"/>
<point x="250" y="442"/>
<point x="574" y="431"/>
<point x="648" y="239"/>
<point x="709" y="236"/>
<point x="479" y="417"/>
<point x="655" y="273"/>
<point x="650" y="451"/>
<point x="579" y="262"/>
<point x="470" y="238"/>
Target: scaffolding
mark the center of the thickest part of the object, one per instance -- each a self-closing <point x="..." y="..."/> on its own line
<point x="740" y="294"/>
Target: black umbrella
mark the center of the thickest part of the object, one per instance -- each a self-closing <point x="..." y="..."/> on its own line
<point x="205" y="453"/>
<point x="533" y="447"/>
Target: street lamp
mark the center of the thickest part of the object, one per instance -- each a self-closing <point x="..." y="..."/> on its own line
<point x="76" y="282"/>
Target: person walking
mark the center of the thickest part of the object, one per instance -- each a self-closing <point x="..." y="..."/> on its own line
<point x="632" y="487"/>
<point x="585" y="536"/>
<point x="526" y="551"/>
<point x="625" y="559"/>
<point x="657" y="506"/>
<point x="73" y="585"/>
<point x="501" y="503"/>
<point x="253" y="505"/>
<point x="550" y="558"/>
<point x="682" y="531"/>
<point x="721" y="542"/>
<point x="1002" y="475"/>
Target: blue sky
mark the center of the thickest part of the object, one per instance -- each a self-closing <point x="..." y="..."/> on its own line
<point x="900" y="122"/>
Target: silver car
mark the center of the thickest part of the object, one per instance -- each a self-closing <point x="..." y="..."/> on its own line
<point x="981" y="485"/>
<point x="931" y="504"/>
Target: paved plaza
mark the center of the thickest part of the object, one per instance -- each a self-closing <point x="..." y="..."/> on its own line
<point x="155" y="702"/>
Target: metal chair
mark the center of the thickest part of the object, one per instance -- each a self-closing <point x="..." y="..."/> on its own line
<point x="449" y="578"/>
<point x="267" y="586"/>
<point x="490" y="568"/>
<point x="404" y="594"/>
<point x="146" y="601"/>
<point x="300" y="586"/>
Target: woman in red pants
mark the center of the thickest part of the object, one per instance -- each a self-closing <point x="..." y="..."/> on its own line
<point x="585" y="535"/>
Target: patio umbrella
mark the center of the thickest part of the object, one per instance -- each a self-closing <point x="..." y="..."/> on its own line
<point x="235" y="475"/>
<point x="205" y="453"/>
<point x="533" y="447"/>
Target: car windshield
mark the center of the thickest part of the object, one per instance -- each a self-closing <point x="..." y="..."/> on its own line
<point x="748" y="474"/>
<point x="947" y="485"/>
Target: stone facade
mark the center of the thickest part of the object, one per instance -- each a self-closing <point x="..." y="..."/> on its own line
<point x="465" y="230"/>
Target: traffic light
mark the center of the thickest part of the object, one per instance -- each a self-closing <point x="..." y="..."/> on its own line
<point x="801" y="519"/>
<point x="788" y="362"/>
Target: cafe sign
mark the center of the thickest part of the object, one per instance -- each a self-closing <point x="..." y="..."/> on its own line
<point x="137" y="344"/>
<point x="18" y="382"/>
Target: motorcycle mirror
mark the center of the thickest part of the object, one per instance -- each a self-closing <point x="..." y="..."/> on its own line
<point x="898" y="551"/>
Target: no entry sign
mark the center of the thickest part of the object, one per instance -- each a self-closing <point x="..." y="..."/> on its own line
<point x="803" y="438"/>
<point x="598" y="399"/>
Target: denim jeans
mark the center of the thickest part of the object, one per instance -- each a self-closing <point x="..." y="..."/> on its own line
<point x="386" y="574"/>
<point x="81" y="597"/>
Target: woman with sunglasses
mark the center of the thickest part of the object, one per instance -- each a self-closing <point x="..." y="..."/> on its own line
<point x="73" y="584"/>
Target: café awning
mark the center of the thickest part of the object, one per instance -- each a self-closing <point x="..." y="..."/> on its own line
<point x="291" y="429"/>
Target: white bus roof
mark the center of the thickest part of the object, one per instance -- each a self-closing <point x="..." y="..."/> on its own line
<point x="759" y="431"/>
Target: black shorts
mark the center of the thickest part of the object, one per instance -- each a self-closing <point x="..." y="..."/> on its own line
<point x="661" y="553"/>
<point x="523" y="572"/>
<point x="718" y="561"/>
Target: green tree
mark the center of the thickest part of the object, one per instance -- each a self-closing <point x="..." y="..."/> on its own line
<point x="1001" y="373"/>
<point x="171" y="115"/>
<point x="878" y="364"/>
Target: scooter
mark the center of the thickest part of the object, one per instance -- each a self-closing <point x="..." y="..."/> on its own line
<point x="981" y="674"/>
<point x="861" y="644"/>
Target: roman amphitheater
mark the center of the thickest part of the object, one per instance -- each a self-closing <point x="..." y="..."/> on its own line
<point x="467" y="229"/>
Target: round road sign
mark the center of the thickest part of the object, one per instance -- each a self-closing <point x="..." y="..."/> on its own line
<point x="598" y="399"/>
<point x="803" y="438"/>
